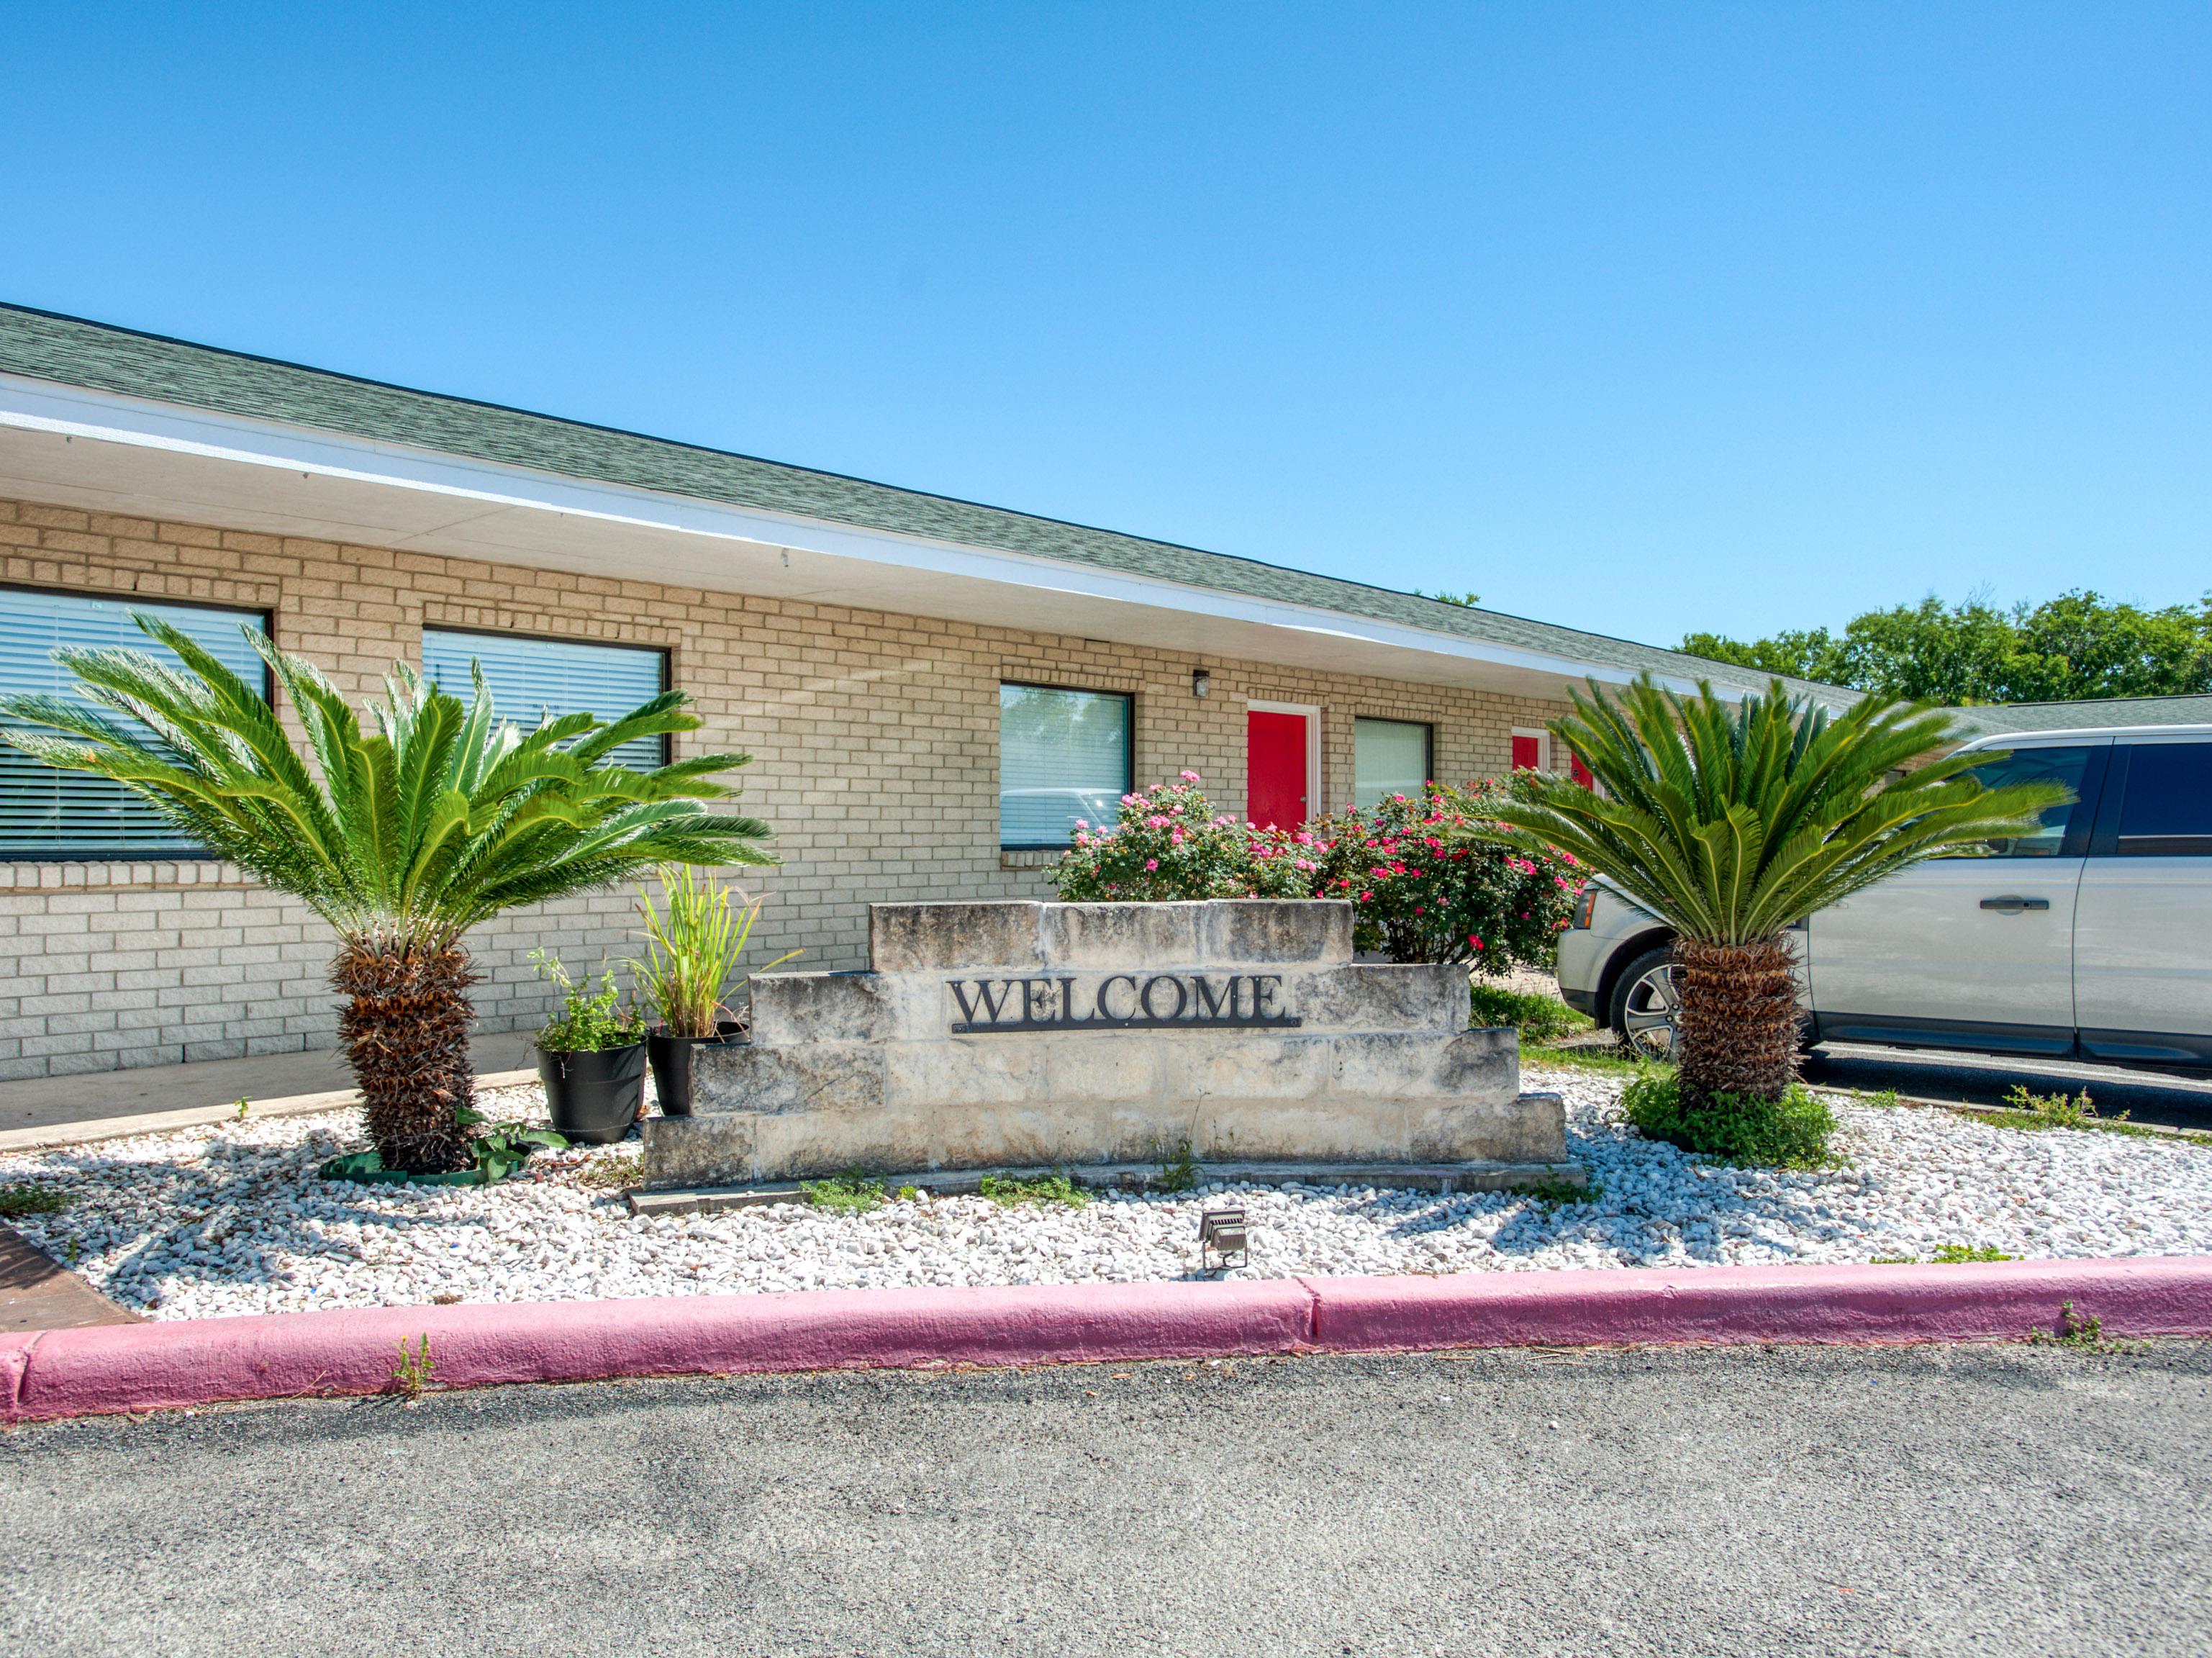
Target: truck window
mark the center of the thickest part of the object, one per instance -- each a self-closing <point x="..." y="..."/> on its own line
<point x="2167" y="810"/>
<point x="2064" y="766"/>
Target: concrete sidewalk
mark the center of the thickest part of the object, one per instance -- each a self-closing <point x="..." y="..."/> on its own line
<point x="150" y="1090"/>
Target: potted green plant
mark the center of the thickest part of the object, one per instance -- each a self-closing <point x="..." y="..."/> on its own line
<point x="692" y="949"/>
<point x="591" y="1056"/>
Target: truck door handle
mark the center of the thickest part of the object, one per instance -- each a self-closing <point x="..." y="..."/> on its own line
<point x="2013" y="903"/>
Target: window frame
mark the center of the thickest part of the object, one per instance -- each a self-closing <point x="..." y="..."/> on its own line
<point x="666" y="655"/>
<point x="1428" y="746"/>
<point x="266" y="615"/>
<point x="1128" y="700"/>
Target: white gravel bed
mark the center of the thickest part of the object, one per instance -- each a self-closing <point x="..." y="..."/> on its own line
<point x="232" y="1220"/>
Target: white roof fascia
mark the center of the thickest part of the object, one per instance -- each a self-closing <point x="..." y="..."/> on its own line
<point x="31" y="404"/>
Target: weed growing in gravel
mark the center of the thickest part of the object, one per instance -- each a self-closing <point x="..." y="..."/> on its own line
<point x="28" y="1198"/>
<point x="1537" y="1017"/>
<point x="1560" y="1194"/>
<point x="1954" y="1255"/>
<point x="412" y="1374"/>
<point x="1180" y="1172"/>
<point x="1945" y="1255"/>
<point x="849" y="1193"/>
<point x="2026" y="1110"/>
<point x="1009" y="1193"/>
<point x="609" y="1173"/>
<point x="1790" y="1133"/>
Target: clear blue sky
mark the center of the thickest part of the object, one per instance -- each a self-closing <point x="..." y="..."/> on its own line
<point x="1641" y="318"/>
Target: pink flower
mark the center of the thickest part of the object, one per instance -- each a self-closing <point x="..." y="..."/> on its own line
<point x="1082" y="823"/>
<point x="1151" y="863"/>
<point x="1190" y="777"/>
<point x="1156" y="821"/>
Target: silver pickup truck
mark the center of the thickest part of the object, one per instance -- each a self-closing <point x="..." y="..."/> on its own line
<point x="2090" y="937"/>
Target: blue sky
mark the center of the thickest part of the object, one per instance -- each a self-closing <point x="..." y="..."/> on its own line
<point x="1639" y="318"/>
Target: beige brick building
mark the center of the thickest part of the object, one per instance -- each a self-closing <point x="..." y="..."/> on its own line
<point x="853" y="638"/>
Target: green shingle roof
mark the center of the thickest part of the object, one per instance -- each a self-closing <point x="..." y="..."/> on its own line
<point x="75" y="352"/>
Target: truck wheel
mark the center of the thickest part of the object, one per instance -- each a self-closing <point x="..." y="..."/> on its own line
<point x="1643" y="1003"/>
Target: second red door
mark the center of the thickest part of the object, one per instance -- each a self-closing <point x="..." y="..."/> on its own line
<point x="1275" y="755"/>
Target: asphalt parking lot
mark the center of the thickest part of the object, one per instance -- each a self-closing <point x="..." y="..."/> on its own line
<point x="1936" y="1501"/>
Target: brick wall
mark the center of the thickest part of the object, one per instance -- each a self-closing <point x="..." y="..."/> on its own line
<point x="875" y="739"/>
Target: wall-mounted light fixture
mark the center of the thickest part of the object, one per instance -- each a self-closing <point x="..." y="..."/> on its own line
<point x="1200" y="682"/>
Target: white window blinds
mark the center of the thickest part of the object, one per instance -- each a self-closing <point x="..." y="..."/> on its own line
<point x="48" y="815"/>
<point x="1063" y="758"/>
<point x="530" y="678"/>
<point x="1388" y="756"/>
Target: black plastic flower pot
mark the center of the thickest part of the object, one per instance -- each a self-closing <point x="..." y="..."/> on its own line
<point x="672" y="1063"/>
<point x="594" y="1097"/>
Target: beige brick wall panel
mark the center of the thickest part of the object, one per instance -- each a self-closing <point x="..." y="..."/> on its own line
<point x="876" y="738"/>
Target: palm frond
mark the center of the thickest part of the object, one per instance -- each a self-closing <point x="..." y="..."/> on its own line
<point x="1729" y="822"/>
<point x="434" y="817"/>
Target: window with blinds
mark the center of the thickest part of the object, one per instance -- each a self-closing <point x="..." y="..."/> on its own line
<point x="530" y="678"/>
<point x="47" y="815"/>
<point x="1064" y="756"/>
<point x="1388" y="756"/>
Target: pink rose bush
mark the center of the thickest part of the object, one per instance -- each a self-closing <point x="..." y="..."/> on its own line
<point x="1419" y="893"/>
<point x="1170" y="843"/>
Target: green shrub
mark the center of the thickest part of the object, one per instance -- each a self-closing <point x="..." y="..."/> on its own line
<point x="2026" y="1110"/>
<point x="849" y="1193"/>
<point x="1790" y="1133"/>
<point x="1537" y="1017"/>
<point x="1422" y="891"/>
<point x="1170" y="843"/>
<point x="1010" y="1193"/>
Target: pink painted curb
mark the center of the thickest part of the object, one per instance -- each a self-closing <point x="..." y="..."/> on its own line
<point x="1995" y="1301"/>
<point x="142" y="1367"/>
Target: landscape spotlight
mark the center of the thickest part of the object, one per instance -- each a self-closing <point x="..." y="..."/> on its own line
<point x="1221" y="1234"/>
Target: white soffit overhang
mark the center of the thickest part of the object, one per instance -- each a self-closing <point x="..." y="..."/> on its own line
<point x="138" y="458"/>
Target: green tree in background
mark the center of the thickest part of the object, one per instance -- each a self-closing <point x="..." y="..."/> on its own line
<point x="2075" y="646"/>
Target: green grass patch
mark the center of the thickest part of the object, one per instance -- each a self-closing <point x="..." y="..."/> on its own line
<point x="26" y="1199"/>
<point x="849" y="1194"/>
<point x="1606" y="1061"/>
<point x="1537" y="1017"/>
<point x="1010" y="1193"/>
<point x="2038" y="1111"/>
<point x="1790" y="1133"/>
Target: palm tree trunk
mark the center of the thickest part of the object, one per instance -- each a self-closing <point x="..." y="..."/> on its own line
<point x="1736" y="1027"/>
<point x="405" y="1031"/>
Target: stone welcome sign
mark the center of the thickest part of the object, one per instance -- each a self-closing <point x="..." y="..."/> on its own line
<point x="1022" y="1034"/>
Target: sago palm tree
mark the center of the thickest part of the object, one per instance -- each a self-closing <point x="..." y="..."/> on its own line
<point x="402" y="838"/>
<point x="1730" y="821"/>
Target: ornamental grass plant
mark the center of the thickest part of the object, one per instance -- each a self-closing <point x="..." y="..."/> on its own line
<point x="694" y="941"/>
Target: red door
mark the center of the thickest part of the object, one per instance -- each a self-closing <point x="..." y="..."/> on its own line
<point x="1528" y="752"/>
<point x="1275" y="758"/>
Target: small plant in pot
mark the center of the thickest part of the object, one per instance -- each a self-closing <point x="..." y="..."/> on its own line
<point x="591" y="1056"/>
<point x="693" y="947"/>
